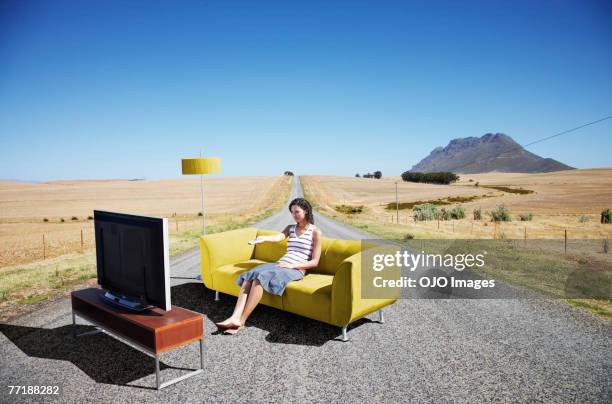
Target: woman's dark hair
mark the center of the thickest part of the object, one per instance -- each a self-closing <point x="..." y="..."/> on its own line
<point x="304" y="204"/>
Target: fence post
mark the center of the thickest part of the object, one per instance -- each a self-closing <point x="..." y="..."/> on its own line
<point x="565" y="244"/>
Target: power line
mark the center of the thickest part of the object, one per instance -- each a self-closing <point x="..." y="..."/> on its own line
<point x="569" y="130"/>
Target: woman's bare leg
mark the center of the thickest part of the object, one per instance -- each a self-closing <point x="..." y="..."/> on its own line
<point x="253" y="299"/>
<point x="240" y="303"/>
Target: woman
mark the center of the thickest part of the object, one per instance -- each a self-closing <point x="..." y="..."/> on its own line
<point x="303" y="253"/>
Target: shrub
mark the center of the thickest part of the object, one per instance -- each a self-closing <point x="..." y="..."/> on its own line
<point x="357" y="175"/>
<point x="199" y="213"/>
<point x="348" y="209"/>
<point x="426" y="211"/>
<point x="519" y="191"/>
<point x="45" y="220"/>
<point x="74" y="218"/>
<point x="62" y="220"/>
<point x="91" y="217"/>
<point x="444" y="214"/>
<point x="500" y="214"/>
<point x="433" y="178"/>
<point x="477" y="213"/>
<point x="457" y="212"/>
<point x="377" y="175"/>
<point x="584" y="219"/>
<point x="525" y="217"/>
<point x="408" y="236"/>
<point x="606" y="216"/>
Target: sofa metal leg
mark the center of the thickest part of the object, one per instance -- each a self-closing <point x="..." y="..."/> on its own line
<point x="217" y="296"/>
<point x="381" y="316"/>
<point x="344" y="337"/>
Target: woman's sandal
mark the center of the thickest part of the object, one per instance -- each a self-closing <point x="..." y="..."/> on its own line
<point x="224" y="327"/>
<point x="233" y="331"/>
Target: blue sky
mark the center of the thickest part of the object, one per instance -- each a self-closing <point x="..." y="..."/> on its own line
<point x="110" y="89"/>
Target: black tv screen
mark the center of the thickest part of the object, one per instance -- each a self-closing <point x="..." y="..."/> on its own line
<point x="132" y="257"/>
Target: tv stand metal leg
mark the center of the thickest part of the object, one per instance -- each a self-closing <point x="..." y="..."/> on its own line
<point x="344" y="337"/>
<point x="217" y="296"/>
<point x="97" y="330"/>
<point x="157" y="384"/>
<point x="161" y="385"/>
<point x="202" y="353"/>
<point x="73" y="325"/>
<point x="381" y="316"/>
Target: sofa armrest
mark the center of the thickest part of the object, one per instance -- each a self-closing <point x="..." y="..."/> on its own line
<point x="347" y="305"/>
<point x="228" y="247"/>
<point x="344" y="287"/>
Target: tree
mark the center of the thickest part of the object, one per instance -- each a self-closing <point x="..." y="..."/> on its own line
<point x="433" y="177"/>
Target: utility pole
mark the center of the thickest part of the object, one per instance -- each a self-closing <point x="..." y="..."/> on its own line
<point x="396" y="205"/>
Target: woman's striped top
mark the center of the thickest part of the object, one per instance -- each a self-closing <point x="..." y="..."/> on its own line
<point x="299" y="249"/>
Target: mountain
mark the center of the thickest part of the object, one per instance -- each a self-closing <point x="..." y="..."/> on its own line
<point x="491" y="152"/>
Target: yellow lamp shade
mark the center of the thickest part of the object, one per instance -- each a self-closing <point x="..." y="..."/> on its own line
<point x="208" y="165"/>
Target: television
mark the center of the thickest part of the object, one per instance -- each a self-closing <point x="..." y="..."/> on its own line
<point x="132" y="259"/>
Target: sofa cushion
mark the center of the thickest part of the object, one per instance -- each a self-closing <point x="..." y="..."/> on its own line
<point x="310" y="296"/>
<point x="224" y="279"/>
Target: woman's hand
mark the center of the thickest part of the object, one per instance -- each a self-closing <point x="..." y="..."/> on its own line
<point x="257" y="240"/>
<point x="285" y="265"/>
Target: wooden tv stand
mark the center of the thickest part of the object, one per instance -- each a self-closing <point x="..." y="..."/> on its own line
<point x="152" y="331"/>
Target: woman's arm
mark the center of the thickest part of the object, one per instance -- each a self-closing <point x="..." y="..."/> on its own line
<point x="276" y="237"/>
<point x="316" y="252"/>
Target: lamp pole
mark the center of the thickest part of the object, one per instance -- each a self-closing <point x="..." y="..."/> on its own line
<point x="201" y="166"/>
<point x="202" y="193"/>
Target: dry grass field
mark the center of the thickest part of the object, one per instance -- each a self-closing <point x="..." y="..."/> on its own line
<point x="25" y="206"/>
<point x="27" y="279"/>
<point x="564" y="200"/>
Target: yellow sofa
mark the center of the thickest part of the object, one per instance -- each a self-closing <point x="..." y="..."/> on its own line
<point x="330" y="293"/>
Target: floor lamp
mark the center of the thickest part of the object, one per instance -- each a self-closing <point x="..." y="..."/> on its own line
<point x="209" y="165"/>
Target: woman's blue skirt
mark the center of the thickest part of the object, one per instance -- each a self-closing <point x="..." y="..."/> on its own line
<point x="273" y="278"/>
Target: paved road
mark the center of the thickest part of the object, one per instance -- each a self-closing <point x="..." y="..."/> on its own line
<point x="186" y="266"/>
<point x="427" y="350"/>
